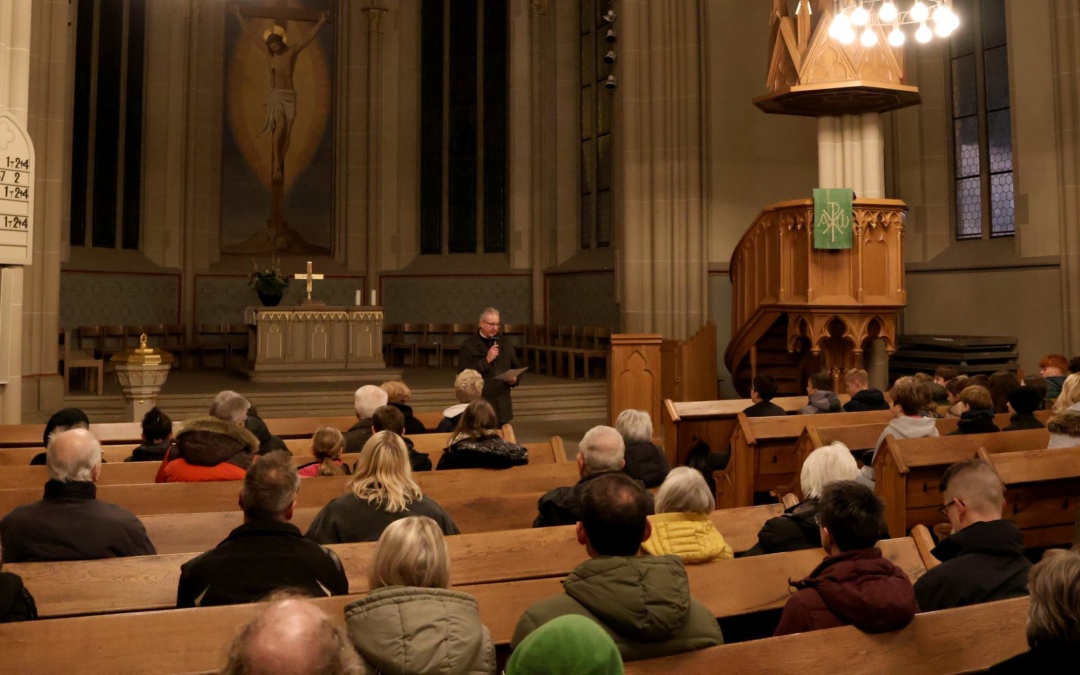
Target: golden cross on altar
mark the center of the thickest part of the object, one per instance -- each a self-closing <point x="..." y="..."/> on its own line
<point x="309" y="277"/>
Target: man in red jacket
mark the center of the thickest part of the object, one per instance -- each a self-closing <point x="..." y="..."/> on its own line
<point x="854" y="585"/>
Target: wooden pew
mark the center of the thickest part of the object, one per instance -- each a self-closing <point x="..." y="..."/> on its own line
<point x="908" y="471"/>
<point x="161" y="641"/>
<point x="964" y="639"/>
<point x="149" y="582"/>
<point x="1042" y="492"/>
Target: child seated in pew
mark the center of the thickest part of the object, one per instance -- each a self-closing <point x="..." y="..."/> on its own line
<point x="389" y="418"/>
<point x="644" y="460"/>
<point x="1038" y="384"/>
<point x="1053" y="629"/>
<point x="157" y="435"/>
<point x="938" y="395"/>
<point x="1054" y="368"/>
<point x="822" y="399"/>
<point x="954" y="388"/>
<point x="863" y="396"/>
<point x="762" y="391"/>
<point x="568" y="645"/>
<point x="977" y="412"/>
<point x="476" y="443"/>
<point x="909" y="401"/>
<point x="854" y="585"/>
<point x="1023" y="402"/>
<point x="412" y="621"/>
<point x="943" y="374"/>
<point x="327" y="443"/>
<point x="681" y="525"/>
<point x="1001" y="383"/>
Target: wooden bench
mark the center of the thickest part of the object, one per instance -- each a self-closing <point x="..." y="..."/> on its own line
<point x="964" y="639"/>
<point x="1042" y="492"/>
<point x="161" y="641"/>
<point x="149" y="582"/>
<point x="907" y="473"/>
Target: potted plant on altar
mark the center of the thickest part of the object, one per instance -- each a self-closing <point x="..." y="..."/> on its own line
<point x="269" y="283"/>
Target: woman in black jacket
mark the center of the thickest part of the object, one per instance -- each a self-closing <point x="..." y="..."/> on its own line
<point x="644" y="461"/>
<point x="476" y="443"/>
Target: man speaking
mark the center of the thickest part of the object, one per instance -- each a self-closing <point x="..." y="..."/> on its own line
<point x="491" y="356"/>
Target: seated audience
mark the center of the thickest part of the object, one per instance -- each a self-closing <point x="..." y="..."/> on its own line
<point x="854" y="585"/>
<point x="1053" y="627"/>
<point x="953" y="389"/>
<point x="157" y="436"/>
<point x="266" y="553"/>
<point x="643" y="602"/>
<point x="1064" y="426"/>
<point x="468" y="386"/>
<point x="863" y="396"/>
<point x="797" y="529"/>
<point x="976" y="412"/>
<point x="909" y="400"/>
<point x="389" y="418"/>
<point x="327" y="444"/>
<point x="682" y="526"/>
<point x="822" y="398"/>
<point x="397" y="394"/>
<point x="1068" y="398"/>
<point x="212" y="448"/>
<point x="1053" y="368"/>
<point x="16" y="603"/>
<point x="600" y="452"/>
<point x="411" y="621"/>
<point x="979" y="381"/>
<point x="366" y="401"/>
<point x="644" y="460"/>
<point x="1001" y="383"/>
<point x="938" y="394"/>
<point x="69" y="523"/>
<point x="381" y="491"/>
<point x="61" y="421"/>
<point x="1040" y="386"/>
<point x="268" y="442"/>
<point x="943" y="374"/>
<point x="566" y="645"/>
<point x="476" y="443"/>
<point x="763" y="390"/>
<point x="290" y="635"/>
<point x="1023" y="402"/>
<point x="983" y="559"/>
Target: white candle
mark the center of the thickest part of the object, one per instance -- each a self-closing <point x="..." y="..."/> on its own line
<point x="359" y="298"/>
<point x="373" y="297"/>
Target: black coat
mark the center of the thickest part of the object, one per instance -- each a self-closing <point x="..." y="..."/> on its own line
<point x="413" y="426"/>
<point x="69" y="523"/>
<point x="357" y="435"/>
<point x="494" y="452"/>
<point x="1019" y="421"/>
<point x="473" y="355"/>
<point x="1041" y="659"/>
<point x="562" y="506"/>
<point x="16" y="603"/>
<point x="647" y="463"/>
<point x="867" y="399"/>
<point x="256" y="559"/>
<point x="981" y="563"/>
<point x="149" y="452"/>
<point x="977" y="421"/>
<point x="796" y="530"/>
<point x="350" y="519"/>
<point x="764" y="409"/>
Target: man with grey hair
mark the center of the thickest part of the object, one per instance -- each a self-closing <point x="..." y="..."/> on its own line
<point x="267" y="552"/>
<point x="366" y="401"/>
<point x="491" y="355"/>
<point x="69" y="523"/>
<point x="291" y="635"/>
<point x="601" y="451"/>
<point x="229" y="406"/>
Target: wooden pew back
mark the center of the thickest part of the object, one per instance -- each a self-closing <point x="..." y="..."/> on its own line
<point x="1042" y="492"/>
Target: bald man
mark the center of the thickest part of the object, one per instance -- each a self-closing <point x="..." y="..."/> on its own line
<point x="983" y="559"/>
<point x="69" y="523"/>
<point x="291" y="637"/>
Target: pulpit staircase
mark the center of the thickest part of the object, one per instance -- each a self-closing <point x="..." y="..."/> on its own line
<point x="797" y="310"/>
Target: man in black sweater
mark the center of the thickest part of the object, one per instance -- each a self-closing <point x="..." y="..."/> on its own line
<point x="491" y="355"/>
<point x="762" y="391"/>
<point x="863" y="396"/>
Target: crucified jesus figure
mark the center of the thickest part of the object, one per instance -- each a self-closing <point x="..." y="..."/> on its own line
<point x="281" y="101"/>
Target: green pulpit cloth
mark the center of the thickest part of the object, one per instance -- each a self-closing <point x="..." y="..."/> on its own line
<point x="833" y="217"/>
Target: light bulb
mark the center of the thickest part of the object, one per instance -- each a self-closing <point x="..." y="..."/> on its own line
<point x="924" y="34"/>
<point x="887" y="13"/>
<point x="941" y="14"/>
<point x="847" y="37"/>
<point x="860" y="17"/>
<point x="943" y="29"/>
<point x="897" y="37"/>
<point x="868" y="38"/>
<point x="919" y="11"/>
<point x="841" y="22"/>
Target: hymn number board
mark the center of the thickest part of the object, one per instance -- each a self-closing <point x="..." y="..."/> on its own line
<point x="16" y="192"/>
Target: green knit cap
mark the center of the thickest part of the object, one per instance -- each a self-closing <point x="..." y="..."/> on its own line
<point x="568" y="645"/>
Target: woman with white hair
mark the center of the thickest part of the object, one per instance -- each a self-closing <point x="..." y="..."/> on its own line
<point x="644" y="461"/>
<point x="381" y="491"/>
<point x="411" y="621"/>
<point x="681" y="525"/>
<point x="797" y="529"/>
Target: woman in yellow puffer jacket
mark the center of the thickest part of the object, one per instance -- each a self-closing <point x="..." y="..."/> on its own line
<point x="681" y="525"/>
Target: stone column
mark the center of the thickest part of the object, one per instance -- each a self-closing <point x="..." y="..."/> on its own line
<point x="661" y="230"/>
<point x="542" y="139"/>
<point x="851" y="153"/>
<point x="1066" y="64"/>
<point x="15" y="32"/>
<point x="373" y="225"/>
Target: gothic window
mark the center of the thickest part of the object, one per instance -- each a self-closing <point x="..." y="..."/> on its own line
<point x="463" y="126"/>
<point x="597" y="112"/>
<point x="106" y="149"/>
<point x="981" y="126"/>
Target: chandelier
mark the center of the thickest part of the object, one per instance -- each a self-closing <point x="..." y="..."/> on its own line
<point x="857" y="19"/>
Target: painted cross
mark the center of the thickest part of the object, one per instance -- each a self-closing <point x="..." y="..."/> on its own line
<point x="309" y="277"/>
<point x="279" y="11"/>
<point x="833" y="218"/>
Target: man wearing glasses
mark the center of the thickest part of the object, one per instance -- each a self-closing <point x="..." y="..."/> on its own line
<point x="983" y="559"/>
<point x="491" y="355"/>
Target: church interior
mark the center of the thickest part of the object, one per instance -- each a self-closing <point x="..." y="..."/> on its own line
<point x="294" y="198"/>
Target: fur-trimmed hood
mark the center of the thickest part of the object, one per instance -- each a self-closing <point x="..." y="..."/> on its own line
<point x="1066" y="422"/>
<point x="208" y="441"/>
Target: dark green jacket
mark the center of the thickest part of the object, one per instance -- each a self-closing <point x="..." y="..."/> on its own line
<point x="643" y="602"/>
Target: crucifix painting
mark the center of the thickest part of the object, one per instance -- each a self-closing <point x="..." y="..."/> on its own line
<point x="277" y="169"/>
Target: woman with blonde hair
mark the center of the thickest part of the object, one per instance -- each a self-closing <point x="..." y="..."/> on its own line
<point x="1069" y="398"/>
<point x="381" y="491"/>
<point x="468" y="386"/>
<point x="327" y="444"/>
<point x="397" y="395"/>
<point x="681" y="525"/>
<point x="411" y="622"/>
<point x="1064" y="426"/>
<point x="476" y="443"/>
